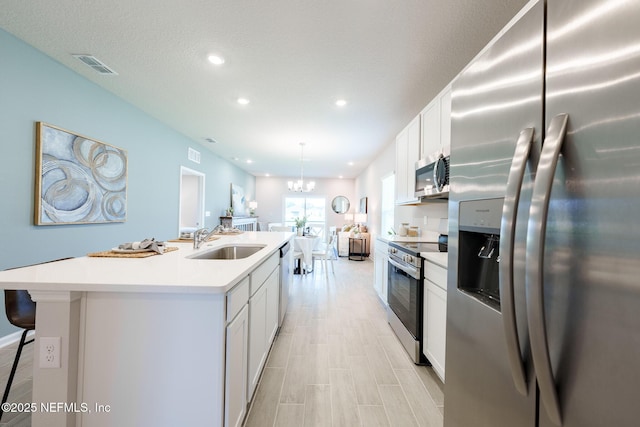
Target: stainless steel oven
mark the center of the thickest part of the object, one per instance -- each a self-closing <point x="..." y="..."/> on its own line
<point x="405" y="295"/>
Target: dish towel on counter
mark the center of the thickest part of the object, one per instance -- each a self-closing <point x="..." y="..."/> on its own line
<point x="149" y="244"/>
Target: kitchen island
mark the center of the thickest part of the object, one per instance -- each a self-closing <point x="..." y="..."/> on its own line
<point x="143" y="342"/>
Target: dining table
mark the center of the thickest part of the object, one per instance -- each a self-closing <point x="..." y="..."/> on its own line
<point x="305" y="245"/>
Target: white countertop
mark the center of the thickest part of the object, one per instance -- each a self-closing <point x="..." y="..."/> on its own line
<point x="440" y="258"/>
<point x="172" y="272"/>
<point x="426" y="237"/>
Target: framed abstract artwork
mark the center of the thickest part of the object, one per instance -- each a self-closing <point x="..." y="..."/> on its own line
<point x="78" y="180"/>
<point x="238" y="201"/>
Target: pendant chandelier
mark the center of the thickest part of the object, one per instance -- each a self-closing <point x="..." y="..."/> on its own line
<point x="300" y="186"/>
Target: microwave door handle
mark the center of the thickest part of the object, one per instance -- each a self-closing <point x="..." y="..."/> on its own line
<point x="436" y="167"/>
<point x="507" y="239"/>
<point x="535" y="258"/>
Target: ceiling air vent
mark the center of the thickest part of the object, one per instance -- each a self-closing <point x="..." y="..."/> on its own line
<point x="96" y="64"/>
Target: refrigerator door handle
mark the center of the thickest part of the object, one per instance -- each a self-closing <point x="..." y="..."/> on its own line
<point x="507" y="239"/>
<point x="535" y="258"/>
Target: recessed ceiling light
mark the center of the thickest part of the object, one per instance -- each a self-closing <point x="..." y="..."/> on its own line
<point x="216" y="60"/>
<point x="243" y="101"/>
<point x="249" y="161"/>
<point x="267" y="175"/>
<point x="341" y="102"/>
<point x="350" y="163"/>
<point x="340" y="177"/>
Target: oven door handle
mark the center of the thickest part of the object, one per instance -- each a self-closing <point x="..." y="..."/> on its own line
<point x="411" y="271"/>
<point x="507" y="241"/>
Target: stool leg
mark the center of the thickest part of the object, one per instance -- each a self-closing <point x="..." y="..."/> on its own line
<point x="13" y="369"/>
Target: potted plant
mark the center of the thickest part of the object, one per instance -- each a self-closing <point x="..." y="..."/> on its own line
<point x="300" y="223"/>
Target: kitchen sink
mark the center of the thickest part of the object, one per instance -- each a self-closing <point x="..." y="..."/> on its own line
<point x="229" y="252"/>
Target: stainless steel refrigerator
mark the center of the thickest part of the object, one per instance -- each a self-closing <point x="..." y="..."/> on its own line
<point x="543" y="315"/>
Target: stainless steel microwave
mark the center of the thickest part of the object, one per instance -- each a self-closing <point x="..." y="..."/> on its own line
<point x="432" y="177"/>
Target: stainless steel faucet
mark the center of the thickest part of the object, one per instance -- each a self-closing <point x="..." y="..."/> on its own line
<point x="201" y="235"/>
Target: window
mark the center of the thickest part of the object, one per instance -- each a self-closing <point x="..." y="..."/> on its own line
<point x="314" y="208"/>
<point x="387" y="203"/>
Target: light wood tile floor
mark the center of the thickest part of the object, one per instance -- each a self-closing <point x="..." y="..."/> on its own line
<point x="336" y="362"/>
<point x="22" y="383"/>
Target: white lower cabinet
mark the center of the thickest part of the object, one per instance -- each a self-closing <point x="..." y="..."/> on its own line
<point x="236" y="354"/>
<point x="381" y="269"/>
<point x="273" y="306"/>
<point x="257" y="337"/>
<point x="263" y="324"/>
<point x="435" y="316"/>
<point x="237" y="350"/>
<point x="253" y="309"/>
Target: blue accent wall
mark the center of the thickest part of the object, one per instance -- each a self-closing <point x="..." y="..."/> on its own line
<point x="34" y="87"/>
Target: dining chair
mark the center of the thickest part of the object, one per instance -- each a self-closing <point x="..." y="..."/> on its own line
<point x="299" y="255"/>
<point x="324" y="252"/>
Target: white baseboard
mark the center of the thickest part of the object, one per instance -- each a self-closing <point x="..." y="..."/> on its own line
<point x="13" y="338"/>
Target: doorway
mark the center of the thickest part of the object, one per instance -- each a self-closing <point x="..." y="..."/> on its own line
<point x="191" y="215"/>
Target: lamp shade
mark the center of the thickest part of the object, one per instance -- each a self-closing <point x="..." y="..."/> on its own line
<point x="361" y="218"/>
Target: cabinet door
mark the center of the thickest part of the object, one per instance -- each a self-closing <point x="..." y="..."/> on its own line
<point x="445" y="121"/>
<point x="385" y="284"/>
<point x="435" y="326"/>
<point x="377" y="269"/>
<point x="402" y="142"/>
<point x="257" y="338"/>
<point x="273" y="306"/>
<point x="413" y="155"/>
<point x="430" y="116"/>
<point x="380" y="269"/>
<point x="235" y="387"/>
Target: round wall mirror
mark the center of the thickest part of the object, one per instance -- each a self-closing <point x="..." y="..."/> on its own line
<point x="340" y="204"/>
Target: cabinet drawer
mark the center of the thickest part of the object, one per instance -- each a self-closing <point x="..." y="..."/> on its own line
<point x="237" y="298"/>
<point x="436" y="274"/>
<point x="260" y="274"/>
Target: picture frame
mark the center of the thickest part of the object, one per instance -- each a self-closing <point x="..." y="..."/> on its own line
<point x="79" y="180"/>
<point x="363" y="205"/>
<point x="238" y="200"/>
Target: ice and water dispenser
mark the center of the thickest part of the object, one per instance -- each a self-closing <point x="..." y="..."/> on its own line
<point x="479" y="249"/>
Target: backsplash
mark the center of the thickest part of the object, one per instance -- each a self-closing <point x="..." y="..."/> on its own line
<point x="431" y="218"/>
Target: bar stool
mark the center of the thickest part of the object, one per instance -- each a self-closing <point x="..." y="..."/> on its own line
<point x="21" y="312"/>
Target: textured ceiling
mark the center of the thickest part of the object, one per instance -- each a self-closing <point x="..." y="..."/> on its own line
<point x="292" y="58"/>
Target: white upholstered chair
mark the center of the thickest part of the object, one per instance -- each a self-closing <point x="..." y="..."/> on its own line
<point x="324" y="252"/>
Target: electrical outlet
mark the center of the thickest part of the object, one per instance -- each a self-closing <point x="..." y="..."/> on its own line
<point x="50" y="352"/>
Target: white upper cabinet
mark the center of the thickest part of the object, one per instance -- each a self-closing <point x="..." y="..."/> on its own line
<point x="402" y="145"/>
<point x="428" y="133"/>
<point x="445" y="120"/>
<point x="436" y="125"/>
<point x="407" y="154"/>
<point x="430" y="117"/>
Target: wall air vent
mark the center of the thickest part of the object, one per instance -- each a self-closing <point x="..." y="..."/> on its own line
<point x="95" y="63"/>
<point x="193" y="155"/>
